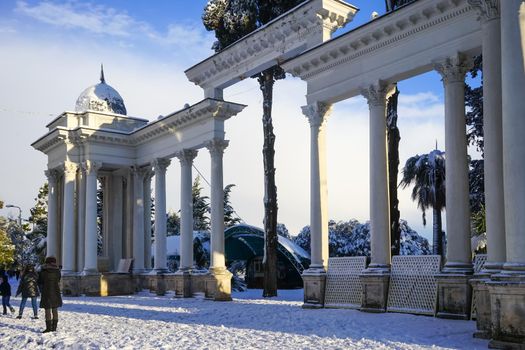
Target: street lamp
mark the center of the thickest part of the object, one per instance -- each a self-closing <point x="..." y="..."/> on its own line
<point x="19" y="212"/>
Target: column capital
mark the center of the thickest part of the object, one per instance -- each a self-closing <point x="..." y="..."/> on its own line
<point x="160" y="164"/>
<point x="186" y="156"/>
<point x="52" y="175"/>
<point x="216" y="146"/>
<point x="375" y="94"/>
<point x="69" y="168"/>
<point x="453" y="69"/>
<point x="141" y="172"/>
<point x="487" y="9"/>
<point x="317" y="112"/>
<point x="91" y="167"/>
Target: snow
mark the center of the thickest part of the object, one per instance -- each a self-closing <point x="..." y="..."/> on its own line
<point x="147" y="321"/>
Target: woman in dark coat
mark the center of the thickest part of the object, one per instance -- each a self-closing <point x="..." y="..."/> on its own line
<point x="28" y="287"/>
<point x="49" y="280"/>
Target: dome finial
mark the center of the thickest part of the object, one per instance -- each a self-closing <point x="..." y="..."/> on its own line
<point x="102" y="80"/>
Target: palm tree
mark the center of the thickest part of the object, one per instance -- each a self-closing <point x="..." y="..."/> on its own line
<point x="427" y="173"/>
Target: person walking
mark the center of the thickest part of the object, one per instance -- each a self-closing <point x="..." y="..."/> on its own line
<point x="51" y="300"/>
<point x="5" y="291"/>
<point x="28" y="287"/>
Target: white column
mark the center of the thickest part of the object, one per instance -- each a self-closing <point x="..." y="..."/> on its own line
<point x="52" y="213"/>
<point x="186" y="209"/>
<point x="117" y="228"/>
<point x="81" y="217"/>
<point x="513" y="88"/>
<point x="379" y="194"/>
<point x="147" y="219"/>
<point x="90" y="245"/>
<point x="492" y="132"/>
<point x="159" y="167"/>
<point x="138" y="219"/>
<point x="218" y="261"/>
<point x="317" y="114"/>
<point x="453" y="72"/>
<point x="68" y="218"/>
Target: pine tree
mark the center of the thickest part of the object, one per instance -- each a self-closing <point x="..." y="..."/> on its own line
<point x="229" y="213"/>
<point x="7" y="250"/>
<point x="201" y="207"/>
<point x="231" y="20"/>
<point x="172" y="223"/>
<point x="38" y="215"/>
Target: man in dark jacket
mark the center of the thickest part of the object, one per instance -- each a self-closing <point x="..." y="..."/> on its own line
<point x="28" y="287"/>
<point x="49" y="281"/>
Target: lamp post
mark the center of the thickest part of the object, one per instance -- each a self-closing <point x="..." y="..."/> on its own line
<point x="19" y="212"/>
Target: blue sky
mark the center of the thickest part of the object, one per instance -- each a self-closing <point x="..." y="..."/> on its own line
<point x="52" y="50"/>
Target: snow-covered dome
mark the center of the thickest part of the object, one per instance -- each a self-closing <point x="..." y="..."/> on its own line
<point x="101" y="97"/>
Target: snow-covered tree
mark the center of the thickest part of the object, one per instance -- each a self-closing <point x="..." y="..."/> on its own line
<point x="351" y="238"/>
<point x="231" y="20"/>
<point x="282" y="230"/>
<point x="7" y="250"/>
<point x="427" y="173"/>
<point x="201" y="207"/>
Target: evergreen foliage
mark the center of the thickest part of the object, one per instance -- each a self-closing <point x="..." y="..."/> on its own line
<point x="230" y="217"/>
<point x="393" y="139"/>
<point x="474" y="104"/>
<point x="201" y="207"/>
<point x="7" y="250"/>
<point x="173" y="223"/>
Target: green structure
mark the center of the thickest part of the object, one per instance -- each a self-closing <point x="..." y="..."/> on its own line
<point x="244" y="242"/>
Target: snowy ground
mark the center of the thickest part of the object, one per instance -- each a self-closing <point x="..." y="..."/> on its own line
<point x="145" y="321"/>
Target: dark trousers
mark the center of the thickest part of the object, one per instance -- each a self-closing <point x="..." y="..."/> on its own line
<point x="5" y="303"/>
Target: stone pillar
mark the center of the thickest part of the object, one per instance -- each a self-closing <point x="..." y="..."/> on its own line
<point x="375" y="279"/>
<point x="507" y="289"/>
<point x="117" y="227"/>
<point x="138" y="219"/>
<point x="183" y="279"/>
<point x="81" y="217"/>
<point x="68" y="219"/>
<point x="159" y="167"/>
<point x="218" y="285"/>
<point x="91" y="256"/>
<point x="52" y="213"/>
<point x="147" y="219"/>
<point x="454" y="291"/>
<point x="314" y="277"/>
<point x="493" y="155"/>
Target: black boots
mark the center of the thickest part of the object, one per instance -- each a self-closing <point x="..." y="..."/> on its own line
<point x="54" y="326"/>
<point x="49" y="326"/>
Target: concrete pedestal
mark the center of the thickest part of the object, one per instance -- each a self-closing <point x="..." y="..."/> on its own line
<point x="70" y="285"/>
<point x="375" y="291"/>
<point x="314" y="288"/>
<point x="116" y="284"/>
<point x="480" y="293"/>
<point x="454" y="296"/>
<point x="218" y="285"/>
<point x="507" y="299"/>
<point x="183" y="284"/>
<point x="90" y="285"/>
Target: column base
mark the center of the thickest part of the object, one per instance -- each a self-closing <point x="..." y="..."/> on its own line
<point x="454" y="296"/>
<point x="375" y="281"/>
<point x="183" y="284"/>
<point x="218" y="285"/>
<point x="314" y="281"/>
<point x="480" y="293"/>
<point x="507" y="299"/>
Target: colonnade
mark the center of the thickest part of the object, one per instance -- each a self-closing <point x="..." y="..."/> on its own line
<point x="72" y="214"/>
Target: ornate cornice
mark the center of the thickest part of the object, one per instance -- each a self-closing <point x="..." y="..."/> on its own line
<point x="453" y="69"/>
<point x="375" y="94"/>
<point x="383" y="32"/>
<point x="317" y="113"/>
<point x="282" y="38"/>
<point x="216" y="146"/>
<point x="487" y="9"/>
<point x="186" y="156"/>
